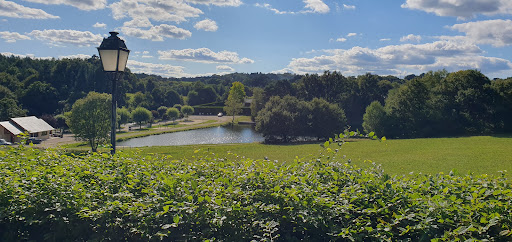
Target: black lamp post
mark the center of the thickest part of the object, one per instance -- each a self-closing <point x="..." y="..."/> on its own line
<point x="114" y="55"/>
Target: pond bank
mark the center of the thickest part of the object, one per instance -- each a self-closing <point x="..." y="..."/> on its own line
<point x="192" y="122"/>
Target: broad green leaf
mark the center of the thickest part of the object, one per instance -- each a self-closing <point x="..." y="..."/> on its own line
<point x="166" y="208"/>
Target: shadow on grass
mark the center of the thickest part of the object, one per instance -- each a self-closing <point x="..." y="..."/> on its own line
<point x="502" y="135"/>
<point x="312" y="142"/>
<point x="170" y="124"/>
<point x="138" y="130"/>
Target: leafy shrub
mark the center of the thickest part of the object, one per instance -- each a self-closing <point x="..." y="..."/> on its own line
<point x="187" y="110"/>
<point x="172" y="113"/>
<point x="49" y="195"/>
<point x="141" y="115"/>
<point x="288" y="118"/>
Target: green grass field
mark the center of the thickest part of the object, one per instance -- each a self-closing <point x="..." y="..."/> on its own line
<point x="481" y="154"/>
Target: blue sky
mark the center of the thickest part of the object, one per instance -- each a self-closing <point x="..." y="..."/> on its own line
<point x="182" y="38"/>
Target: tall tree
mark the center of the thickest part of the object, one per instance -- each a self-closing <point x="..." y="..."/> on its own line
<point x="504" y="107"/>
<point x="40" y="98"/>
<point x="161" y="112"/>
<point x="235" y="102"/>
<point x="202" y="94"/>
<point x="187" y="110"/>
<point x="172" y="98"/>
<point x="90" y="118"/>
<point x="141" y="115"/>
<point x="374" y="119"/>
<point x="9" y="108"/>
<point x="282" y="119"/>
<point x="123" y="116"/>
<point x="172" y="113"/>
<point x="61" y="122"/>
<point x="466" y="101"/>
<point x="409" y="109"/>
<point x="258" y="101"/>
<point x="326" y="119"/>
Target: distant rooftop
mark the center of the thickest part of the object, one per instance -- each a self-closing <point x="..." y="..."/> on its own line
<point x="32" y="124"/>
<point x="11" y="128"/>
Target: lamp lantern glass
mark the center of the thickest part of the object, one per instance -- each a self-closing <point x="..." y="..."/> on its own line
<point x="113" y="53"/>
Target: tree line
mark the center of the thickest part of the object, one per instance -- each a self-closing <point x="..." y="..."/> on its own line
<point x="431" y="104"/>
<point x="51" y="86"/>
<point x="444" y="104"/>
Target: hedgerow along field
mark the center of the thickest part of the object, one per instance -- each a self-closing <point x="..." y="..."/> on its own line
<point x="48" y="195"/>
<point x="477" y="154"/>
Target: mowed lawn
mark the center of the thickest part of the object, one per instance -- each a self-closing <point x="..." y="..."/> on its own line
<point x="480" y="154"/>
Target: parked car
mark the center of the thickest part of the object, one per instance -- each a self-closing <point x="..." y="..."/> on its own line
<point x="220" y="115"/>
<point x="34" y="140"/>
<point x="3" y="142"/>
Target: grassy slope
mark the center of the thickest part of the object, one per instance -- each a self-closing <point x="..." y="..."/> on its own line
<point x="481" y="155"/>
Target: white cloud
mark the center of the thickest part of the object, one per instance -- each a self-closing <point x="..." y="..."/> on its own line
<point x="77" y="56"/>
<point x="349" y="7"/>
<point x="80" y="4"/>
<point x="204" y="55"/>
<point x="225" y="68"/>
<point x="207" y="25"/>
<point x="312" y="6"/>
<point x="32" y="56"/>
<point x="164" y="70"/>
<point x="99" y="25"/>
<point x="411" y="38"/>
<point x="12" y="37"/>
<point x="316" y="6"/>
<point x="142" y="12"/>
<point x="157" y="33"/>
<point x="14" y="10"/>
<point x="159" y="69"/>
<point x="395" y="59"/>
<point x="67" y="36"/>
<point x="231" y="3"/>
<point x="462" y="9"/>
<point x="351" y="34"/>
<point x="341" y="40"/>
<point x="385" y="39"/>
<point x="275" y="10"/>
<point x="483" y="63"/>
<point x="496" y="32"/>
<point x="170" y="11"/>
<point x="138" y="23"/>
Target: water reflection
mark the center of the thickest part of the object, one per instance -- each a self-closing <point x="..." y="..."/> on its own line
<point x="214" y="135"/>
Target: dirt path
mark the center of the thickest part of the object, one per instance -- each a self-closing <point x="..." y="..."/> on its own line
<point x="195" y="121"/>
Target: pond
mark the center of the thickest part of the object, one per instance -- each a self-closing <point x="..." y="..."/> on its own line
<point x="214" y="135"/>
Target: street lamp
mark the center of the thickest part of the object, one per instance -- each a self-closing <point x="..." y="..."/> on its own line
<point x="113" y="55"/>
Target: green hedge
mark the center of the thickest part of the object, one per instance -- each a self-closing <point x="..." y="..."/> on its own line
<point x="48" y="195"/>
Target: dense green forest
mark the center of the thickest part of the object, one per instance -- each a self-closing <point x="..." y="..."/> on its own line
<point x="50" y="86"/>
<point x="431" y="104"/>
